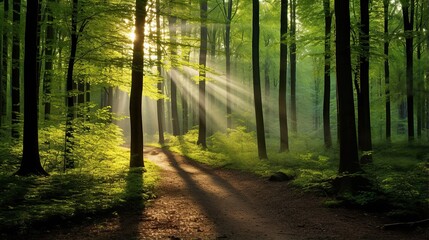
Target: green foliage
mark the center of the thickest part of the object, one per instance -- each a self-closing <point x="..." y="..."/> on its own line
<point x="93" y="188"/>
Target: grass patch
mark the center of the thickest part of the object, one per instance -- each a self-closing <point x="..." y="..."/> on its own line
<point x="101" y="181"/>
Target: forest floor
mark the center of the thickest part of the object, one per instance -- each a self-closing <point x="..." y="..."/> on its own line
<point x="199" y="202"/>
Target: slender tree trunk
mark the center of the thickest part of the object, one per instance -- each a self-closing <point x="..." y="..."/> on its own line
<point x="260" y="132"/>
<point x="30" y="164"/>
<point x="349" y="161"/>
<point x="228" y="63"/>
<point x="160" y="85"/>
<point x="202" y="74"/>
<point x="68" y="161"/>
<point x="136" y="118"/>
<point x="267" y="94"/>
<point x="185" y="93"/>
<point x="386" y="69"/>
<point x="173" y="48"/>
<point x="4" y="63"/>
<point x="284" y="138"/>
<point x="408" y="14"/>
<point x="16" y="41"/>
<point x="293" y="67"/>
<point x="420" y="77"/>
<point x="49" y="56"/>
<point x="364" y="117"/>
<point x="327" y="77"/>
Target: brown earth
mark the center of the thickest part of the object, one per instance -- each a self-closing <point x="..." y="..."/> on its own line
<point x="198" y="202"/>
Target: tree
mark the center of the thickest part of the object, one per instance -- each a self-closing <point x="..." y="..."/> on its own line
<point x="15" y="82"/>
<point x="4" y="62"/>
<point x="159" y="102"/>
<point x="349" y="161"/>
<point x="408" y="15"/>
<point x="260" y="132"/>
<point x="284" y="139"/>
<point x="327" y="76"/>
<point x="30" y="164"/>
<point x="227" y="11"/>
<point x="136" y="158"/>
<point x="173" y="76"/>
<point x="202" y="130"/>
<point x="386" y="69"/>
<point x="364" y="116"/>
<point x="293" y="66"/>
<point x="49" y="56"/>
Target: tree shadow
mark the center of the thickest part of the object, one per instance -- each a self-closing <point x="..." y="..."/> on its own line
<point x="209" y="200"/>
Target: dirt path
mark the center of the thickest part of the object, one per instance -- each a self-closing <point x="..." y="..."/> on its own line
<point x="198" y="202"/>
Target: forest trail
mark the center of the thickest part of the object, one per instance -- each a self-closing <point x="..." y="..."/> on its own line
<point x="198" y="202"/>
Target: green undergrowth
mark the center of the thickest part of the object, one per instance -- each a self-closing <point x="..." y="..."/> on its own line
<point x="100" y="182"/>
<point x="398" y="176"/>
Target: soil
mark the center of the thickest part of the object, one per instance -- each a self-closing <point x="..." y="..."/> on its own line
<point x="198" y="202"/>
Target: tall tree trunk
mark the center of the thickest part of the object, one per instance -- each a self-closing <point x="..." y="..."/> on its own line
<point x="160" y="85"/>
<point x="349" y="161"/>
<point x="68" y="161"/>
<point x="267" y="93"/>
<point x="30" y="163"/>
<point x="260" y="132"/>
<point x="185" y="93"/>
<point x="293" y="67"/>
<point x="202" y="74"/>
<point x="364" y="117"/>
<point x="173" y="48"/>
<point x="408" y="15"/>
<point x="327" y="76"/>
<point x="386" y="69"/>
<point x="4" y="63"/>
<point x="16" y="39"/>
<point x="420" y="77"/>
<point x="49" y="56"/>
<point x="228" y="63"/>
<point x="136" y="119"/>
<point x="284" y="138"/>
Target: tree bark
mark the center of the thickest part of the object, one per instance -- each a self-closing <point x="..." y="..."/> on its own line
<point x="364" y="116"/>
<point x="284" y="138"/>
<point x="185" y="93"/>
<point x="160" y="85"/>
<point x="408" y="15"/>
<point x="136" y="119"/>
<point x="4" y="63"/>
<point x="173" y="51"/>
<point x="387" y="70"/>
<point x="349" y="161"/>
<point x="327" y="77"/>
<point x="202" y="129"/>
<point x="293" y="68"/>
<point x="260" y="132"/>
<point x="49" y="55"/>
<point x="30" y="164"/>
<point x="15" y="82"/>
<point x="228" y="63"/>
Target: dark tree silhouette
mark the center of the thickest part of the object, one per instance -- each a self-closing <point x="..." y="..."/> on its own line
<point x="202" y="129"/>
<point x="159" y="102"/>
<point x="349" y="161"/>
<point x="293" y="67"/>
<point x="386" y="69"/>
<point x="260" y="132"/>
<point x="173" y="95"/>
<point x="364" y="116"/>
<point x="15" y="82"/>
<point x="30" y="164"/>
<point x="327" y="137"/>
<point x="408" y="14"/>
<point x="136" y="158"/>
<point x="4" y="63"/>
<point x="284" y="138"/>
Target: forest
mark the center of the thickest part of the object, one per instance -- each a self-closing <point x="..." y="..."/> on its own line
<point x="212" y="119"/>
